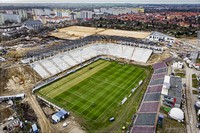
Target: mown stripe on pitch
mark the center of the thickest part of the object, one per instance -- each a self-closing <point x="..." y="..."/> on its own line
<point x="110" y="101"/>
<point x="111" y="96"/>
<point x="77" y="80"/>
<point x="95" y="90"/>
<point x="91" y="100"/>
<point x="68" y="78"/>
<point x="47" y="89"/>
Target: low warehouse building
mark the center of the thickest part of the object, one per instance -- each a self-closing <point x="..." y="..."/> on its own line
<point x="172" y="95"/>
<point x="33" y="24"/>
<point x="57" y="117"/>
<point x="35" y="129"/>
<point x="160" y="37"/>
<point x="17" y="96"/>
<point x="177" y="65"/>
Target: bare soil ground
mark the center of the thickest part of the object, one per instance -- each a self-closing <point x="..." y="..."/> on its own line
<point x="4" y="112"/>
<point x="76" y="32"/>
<point x="13" y="79"/>
<point x="16" y="54"/>
<point x="190" y="40"/>
<point x="158" y="57"/>
<point x="72" y="127"/>
<point x="134" y="34"/>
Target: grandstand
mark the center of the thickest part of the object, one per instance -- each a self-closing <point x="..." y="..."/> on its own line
<point x="146" y="119"/>
<point x="74" y="57"/>
<point x="53" y="65"/>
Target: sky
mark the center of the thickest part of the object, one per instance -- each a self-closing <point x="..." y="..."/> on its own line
<point x="106" y="1"/>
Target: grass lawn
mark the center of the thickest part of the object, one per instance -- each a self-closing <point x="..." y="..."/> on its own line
<point x="198" y="61"/>
<point x="170" y="125"/>
<point x="94" y="93"/>
<point x="194" y="81"/>
<point x="182" y="75"/>
<point x="195" y="92"/>
<point x="193" y="76"/>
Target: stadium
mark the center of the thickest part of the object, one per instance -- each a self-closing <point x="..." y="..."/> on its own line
<point x="98" y="80"/>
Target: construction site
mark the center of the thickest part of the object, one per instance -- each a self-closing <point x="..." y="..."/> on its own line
<point x="35" y="60"/>
<point x="78" y="32"/>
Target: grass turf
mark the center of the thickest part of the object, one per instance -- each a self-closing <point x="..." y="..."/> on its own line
<point x="194" y="81"/>
<point x="96" y="90"/>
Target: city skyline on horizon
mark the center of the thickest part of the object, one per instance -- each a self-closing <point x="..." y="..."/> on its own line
<point x="107" y="1"/>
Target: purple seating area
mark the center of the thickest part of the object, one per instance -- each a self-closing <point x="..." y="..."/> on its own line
<point x="156" y="82"/>
<point x="146" y="119"/>
<point x="150" y="104"/>
<point x="149" y="107"/>
<point x="158" y="76"/>
<point x="153" y="89"/>
<point x="143" y="129"/>
<point x="159" y="65"/>
<point x="161" y="70"/>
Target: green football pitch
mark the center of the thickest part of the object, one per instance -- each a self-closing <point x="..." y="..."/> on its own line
<point x="96" y="89"/>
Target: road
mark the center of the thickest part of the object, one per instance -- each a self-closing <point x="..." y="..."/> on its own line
<point x="190" y="113"/>
<point x="44" y="123"/>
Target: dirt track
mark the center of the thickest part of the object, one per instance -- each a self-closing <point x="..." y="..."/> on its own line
<point x="190" y="110"/>
<point x="43" y="121"/>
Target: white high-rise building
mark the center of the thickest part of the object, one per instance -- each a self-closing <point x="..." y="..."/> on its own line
<point x="61" y="13"/>
<point x="9" y="11"/>
<point x="37" y="12"/>
<point x="22" y="14"/>
<point x="121" y="10"/>
<point x="73" y="16"/>
<point x="103" y="10"/>
<point x="86" y="14"/>
<point x="1" y="19"/>
<point x="65" y="14"/>
<point x="40" y="12"/>
<point x="97" y="11"/>
<point x="47" y="12"/>
<point x="9" y="17"/>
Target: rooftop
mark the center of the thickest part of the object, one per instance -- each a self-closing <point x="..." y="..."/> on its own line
<point x="167" y="79"/>
<point x="34" y="127"/>
<point x="175" y="87"/>
<point x="155" y="33"/>
<point x="61" y="113"/>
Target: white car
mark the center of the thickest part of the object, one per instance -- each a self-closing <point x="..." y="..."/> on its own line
<point x="65" y="124"/>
